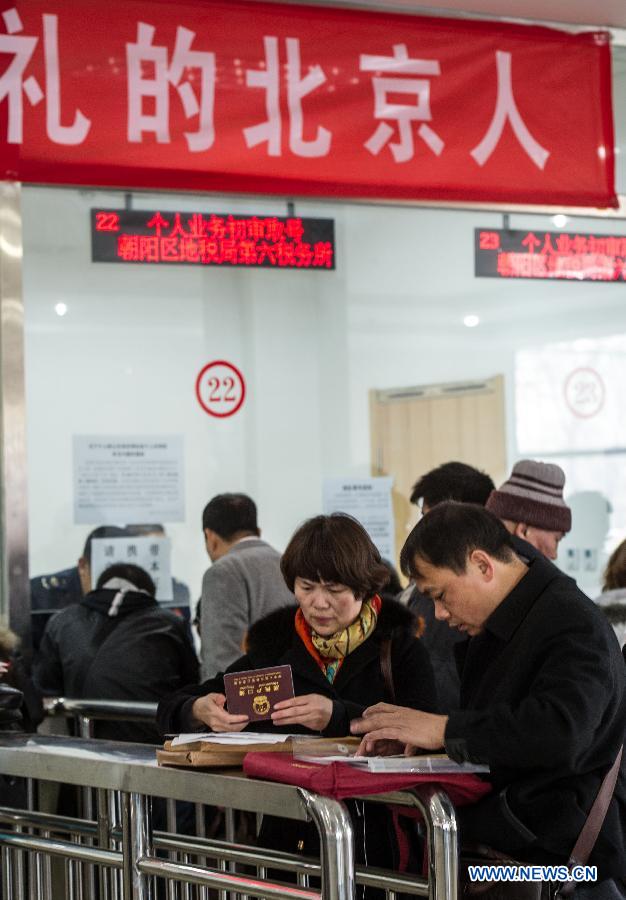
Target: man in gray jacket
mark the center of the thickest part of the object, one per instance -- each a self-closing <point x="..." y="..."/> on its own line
<point x="243" y="584"/>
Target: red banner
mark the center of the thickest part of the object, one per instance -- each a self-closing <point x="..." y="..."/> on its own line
<point x="205" y="95"/>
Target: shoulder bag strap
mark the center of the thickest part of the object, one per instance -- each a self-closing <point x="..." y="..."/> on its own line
<point x="385" y="668"/>
<point x="591" y="829"/>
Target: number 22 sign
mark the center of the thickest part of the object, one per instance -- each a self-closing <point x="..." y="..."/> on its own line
<point x="220" y="388"/>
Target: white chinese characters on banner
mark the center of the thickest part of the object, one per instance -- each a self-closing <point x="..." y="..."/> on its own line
<point x="297" y="88"/>
<point x="192" y="74"/>
<point x="12" y="82"/>
<point x="569" y="396"/>
<point x="369" y="501"/>
<point x="506" y="109"/>
<point x="157" y="88"/>
<point x="404" y="115"/>
<point x="121" y="480"/>
<point x="151" y="553"/>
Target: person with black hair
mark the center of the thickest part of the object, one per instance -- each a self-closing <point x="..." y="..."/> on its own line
<point x="543" y="693"/>
<point x="243" y="583"/>
<point x="116" y="644"/>
<point x="450" y="481"/>
<point x="51" y="593"/>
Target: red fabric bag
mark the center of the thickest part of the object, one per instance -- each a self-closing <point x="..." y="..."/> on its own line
<point x="341" y="780"/>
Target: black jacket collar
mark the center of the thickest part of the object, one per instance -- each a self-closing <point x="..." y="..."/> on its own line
<point x="508" y="616"/>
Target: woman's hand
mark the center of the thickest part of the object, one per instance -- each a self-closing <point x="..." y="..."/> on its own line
<point x="411" y="727"/>
<point x="210" y="711"/>
<point x="311" y="710"/>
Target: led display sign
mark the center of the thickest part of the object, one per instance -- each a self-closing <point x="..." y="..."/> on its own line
<point x="566" y="256"/>
<point x="211" y="239"/>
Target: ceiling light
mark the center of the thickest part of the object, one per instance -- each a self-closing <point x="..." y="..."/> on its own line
<point x="471" y="321"/>
<point x="559" y="221"/>
<point x="60" y="309"/>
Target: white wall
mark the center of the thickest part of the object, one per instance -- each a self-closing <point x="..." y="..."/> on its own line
<point x="311" y="345"/>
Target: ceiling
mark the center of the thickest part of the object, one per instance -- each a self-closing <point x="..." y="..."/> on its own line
<point x="607" y="13"/>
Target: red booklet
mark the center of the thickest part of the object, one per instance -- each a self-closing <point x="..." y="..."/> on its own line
<point x="255" y="693"/>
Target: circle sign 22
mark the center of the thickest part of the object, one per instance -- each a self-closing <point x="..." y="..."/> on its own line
<point x="220" y="388"/>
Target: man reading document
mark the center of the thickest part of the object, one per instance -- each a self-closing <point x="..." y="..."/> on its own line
<point x="543" y="698"/>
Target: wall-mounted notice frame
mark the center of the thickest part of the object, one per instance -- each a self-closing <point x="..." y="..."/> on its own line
<point x="152" y="237"/>
<point x="128" y="479"/>
<point x="369" y="501"/>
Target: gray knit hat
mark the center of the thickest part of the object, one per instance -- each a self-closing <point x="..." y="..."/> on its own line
<point x="533" y="495"/>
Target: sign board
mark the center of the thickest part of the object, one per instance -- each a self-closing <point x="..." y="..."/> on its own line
<point x="290" y="99"/>
<point x="569" y="396"/>
<point x="152" y="237"/>
<point x="560" y="255"/>
<point x="121" y="480"/>
<point x="152" y="554"/>
<point x="220" y="389"/>
<point x="369" y="501"/>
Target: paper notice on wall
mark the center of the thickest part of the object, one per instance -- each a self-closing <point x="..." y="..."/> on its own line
<point x="150" y="553"/>
<point x="569" y="396"/>
<point x="369" y="501"/>
<point x="123" y="480"/>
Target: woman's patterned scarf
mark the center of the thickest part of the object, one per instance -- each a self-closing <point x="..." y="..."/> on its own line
<point x="330" y="652"/>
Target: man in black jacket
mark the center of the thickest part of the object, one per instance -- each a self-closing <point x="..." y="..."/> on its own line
<point x="116" y="644"/>
<point x="543" y="693"/>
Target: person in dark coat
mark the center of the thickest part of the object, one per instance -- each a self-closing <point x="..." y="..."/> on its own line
<point x="333" y="641"/>
<point x="449" y="481"/>
<point x="51" y="593"/>
<point x="116" y="644"/>
<point x="543" y="693"/>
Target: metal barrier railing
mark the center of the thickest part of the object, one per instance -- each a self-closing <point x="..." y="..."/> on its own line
<point x="112" y="853"/>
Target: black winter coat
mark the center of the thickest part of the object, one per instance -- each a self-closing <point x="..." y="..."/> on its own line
<point x="543" y="702"/>
<point x="359" y="683"/>
<point x="139" y="654"/>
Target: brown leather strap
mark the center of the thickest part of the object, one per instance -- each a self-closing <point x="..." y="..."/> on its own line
<point x="591" y="829"/>
<point x="385" y="668"/>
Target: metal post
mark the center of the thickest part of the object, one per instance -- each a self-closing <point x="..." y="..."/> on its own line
<point x="87" y="875"/>
<point x="14" y="586"/>
<point x="31" y="804"/>
<point x="336" y="844"/>
<point x="170" y="820"/>
<point x="136" y="844"/>
<point x="104" y="831"/>
<point x="440" y="816"/>
<point x="114" y="800"/>
<point x="7" y="869"/>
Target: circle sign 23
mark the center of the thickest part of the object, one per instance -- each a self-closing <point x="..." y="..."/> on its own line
<point x="584" y="392"/>
<point x="220" y="388"/>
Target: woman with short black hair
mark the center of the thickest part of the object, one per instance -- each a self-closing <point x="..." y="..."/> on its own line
<point x="347" y="648"/>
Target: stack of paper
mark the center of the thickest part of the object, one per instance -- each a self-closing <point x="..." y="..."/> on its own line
<point x="438" y="764"/>
<point x="218" y="750"/>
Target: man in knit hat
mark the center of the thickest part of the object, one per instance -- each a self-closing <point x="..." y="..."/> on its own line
<point x="531" y="505"/>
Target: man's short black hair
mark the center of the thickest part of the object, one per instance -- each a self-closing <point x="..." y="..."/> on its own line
<point x="449" y="533"/>
<point x="230" y="514"/>
<point x="134" y="574"/>
<point x="103" y="531"/>
<point x="453" y="481"/>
